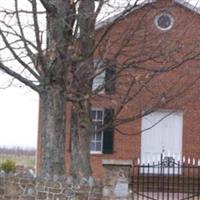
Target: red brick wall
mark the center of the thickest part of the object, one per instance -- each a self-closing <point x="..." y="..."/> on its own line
<point x="170" y="47"/>
<point x="185" y="32"/>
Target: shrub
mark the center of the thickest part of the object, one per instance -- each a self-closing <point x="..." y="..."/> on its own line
<point x="8" y="166"/>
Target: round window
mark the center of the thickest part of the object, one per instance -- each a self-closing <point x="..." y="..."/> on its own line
<point x="164" y="21"/>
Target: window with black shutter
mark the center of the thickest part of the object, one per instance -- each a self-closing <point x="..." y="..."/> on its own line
<point x="108" y="135"/>
<point x="99" y="79"/>
<point x="96" y="143"/>
<point x="104" y="81"/>
<point x="102" y="139"/>
<point x="110" y="83"/>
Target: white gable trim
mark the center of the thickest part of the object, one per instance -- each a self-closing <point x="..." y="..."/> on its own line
<point x="110" y="20"/>
<point x="188" y="5"/>
<point x="122" y="14"/>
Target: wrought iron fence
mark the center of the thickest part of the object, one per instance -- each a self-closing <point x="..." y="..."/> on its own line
<point x="167" y="180"/>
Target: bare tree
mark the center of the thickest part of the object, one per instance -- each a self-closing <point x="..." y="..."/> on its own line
<point x="76" y="51"/>
<point x="45" y="66"/>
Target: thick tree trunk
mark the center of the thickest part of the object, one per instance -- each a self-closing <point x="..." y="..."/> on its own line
<point x="53" y="104"/>
<point x="60" y="19"/>
<point x="82" y="73"/>
<point x="61" y="16"/>
<point x="81" y="133"/>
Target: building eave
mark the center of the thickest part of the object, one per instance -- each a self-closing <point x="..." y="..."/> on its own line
<point x="188" y="5"/>
<point x="110" y="20"/>
<point x="123" y="14"/>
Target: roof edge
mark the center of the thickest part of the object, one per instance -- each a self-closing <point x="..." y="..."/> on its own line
<point x="115" y="17"/>
<point x="188" y="5"/>
<point x="110" y="20"/>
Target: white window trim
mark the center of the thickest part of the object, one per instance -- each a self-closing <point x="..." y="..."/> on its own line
<point x="98" y="82"/>
<point x="100" y="74"/>
<point x="159" y="27"/>
<point x="96" y="152"/>
<point x="100" y="151"/>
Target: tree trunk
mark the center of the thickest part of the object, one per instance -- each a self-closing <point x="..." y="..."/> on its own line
<point x="60" y="19"/>
<point x="61" y="16"/>
<point x="53" y="105"/>
<point x="81" y="133"/>
<point x="82" y="88"/>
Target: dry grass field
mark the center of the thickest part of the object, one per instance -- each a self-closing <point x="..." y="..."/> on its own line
<point x="25" y="157"/>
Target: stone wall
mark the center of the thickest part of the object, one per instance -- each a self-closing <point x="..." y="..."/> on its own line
<point x="24" y="185"/>
<point x="116" y="181"/>
<point x="18" y="187"/>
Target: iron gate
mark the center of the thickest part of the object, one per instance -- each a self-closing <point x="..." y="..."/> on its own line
<point x="167" y="180"/>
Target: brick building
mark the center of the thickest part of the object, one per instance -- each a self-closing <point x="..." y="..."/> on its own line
<point x="154" y="100"/>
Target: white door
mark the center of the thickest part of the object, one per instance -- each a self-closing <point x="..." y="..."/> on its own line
<point x="161" y="137"/>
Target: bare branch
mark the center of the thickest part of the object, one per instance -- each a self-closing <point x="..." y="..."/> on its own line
<point x="29" y="52"/>
<point x="18" y="77"/>
<point x="14" y="33"/>
<point x="37" y="35"/>
<point x="17" y="57"/>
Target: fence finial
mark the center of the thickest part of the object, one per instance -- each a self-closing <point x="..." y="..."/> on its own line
<point x="198" y="162"/>
<point x="189" y="160"/>
<point x="193" y="161"/>
<point x="183" y="159"/>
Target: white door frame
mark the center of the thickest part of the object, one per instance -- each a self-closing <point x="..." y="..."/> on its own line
<point x="156" y="151"/>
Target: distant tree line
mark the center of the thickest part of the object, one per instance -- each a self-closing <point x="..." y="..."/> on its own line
<point x="17" y="151"/>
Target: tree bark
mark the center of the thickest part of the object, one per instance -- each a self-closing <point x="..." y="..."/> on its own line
<point x="81" y="132"/>
<point x="60" y="19"/>
<point x="82" y="88"/>
<point x="53" y="105"/>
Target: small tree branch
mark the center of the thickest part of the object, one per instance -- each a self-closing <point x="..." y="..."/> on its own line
<point x="18" y="77"/>
<point x="37" y="35"/>
<point x="29" y="52"/>
<point x="17" y="57"/>
<point x="15" y="34"/>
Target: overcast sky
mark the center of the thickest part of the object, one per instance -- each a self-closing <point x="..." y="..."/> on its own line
<point x="18" y="117"/>
<point x="19" y="112"/>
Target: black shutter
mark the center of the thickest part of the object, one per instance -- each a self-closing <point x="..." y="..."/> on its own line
<point x="92" y="74"/>
<point x="108" y="135"/>
<point x="110" y="80"/>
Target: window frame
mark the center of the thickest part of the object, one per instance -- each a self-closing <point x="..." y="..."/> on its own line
<point x="99" y="81"/>
<point x="100" y="74"/>
<point x="102" y="132"/>
<point x="160" y="15"/>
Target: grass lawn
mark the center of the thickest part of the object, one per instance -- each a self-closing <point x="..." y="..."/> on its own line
<point x="25" y="160"/>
